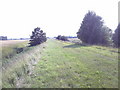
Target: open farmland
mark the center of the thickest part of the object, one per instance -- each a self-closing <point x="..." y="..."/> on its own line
<point x="10" y="42"/>
<point x="56" y="64"/>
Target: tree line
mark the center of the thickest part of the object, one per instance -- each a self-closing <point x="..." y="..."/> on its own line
<point x="92" y="31"/>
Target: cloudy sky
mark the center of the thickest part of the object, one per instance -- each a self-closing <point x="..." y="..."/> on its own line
<point x="18" y="18"/>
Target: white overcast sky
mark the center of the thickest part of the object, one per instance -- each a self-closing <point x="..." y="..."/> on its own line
<point x="18" y="18"/>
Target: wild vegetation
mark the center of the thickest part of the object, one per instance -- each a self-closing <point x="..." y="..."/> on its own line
<point x="88" y="61"/>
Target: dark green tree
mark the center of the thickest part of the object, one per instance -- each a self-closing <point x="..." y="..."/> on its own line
<point x="58" y="37"/>
<point x="38" y="37"/>
<point x="116" y="36"/>
<point x="105" y="36"/>
<point x="64" y="38"/>
<point x="92" y="30"/>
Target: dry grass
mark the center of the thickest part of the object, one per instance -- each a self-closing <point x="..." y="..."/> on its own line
<point x="10" y="42"/>
<point x="9" y="48"/>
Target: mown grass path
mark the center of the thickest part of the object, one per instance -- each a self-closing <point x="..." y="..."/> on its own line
<point x="67" y="65"/>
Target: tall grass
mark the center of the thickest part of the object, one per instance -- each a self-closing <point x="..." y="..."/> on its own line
<point x="9" y="51"/>
<point x="20" y="66"/>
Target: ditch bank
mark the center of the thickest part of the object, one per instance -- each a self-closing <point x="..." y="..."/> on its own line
<point x="18" y="73"/>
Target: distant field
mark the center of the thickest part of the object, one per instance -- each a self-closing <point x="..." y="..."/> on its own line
<point x="59" y="64"/>
<point x="10" y="42"/>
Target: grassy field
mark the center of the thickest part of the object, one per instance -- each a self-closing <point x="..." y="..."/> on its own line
<point x="57" y="64"/>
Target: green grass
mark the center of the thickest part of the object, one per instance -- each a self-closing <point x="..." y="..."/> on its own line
<point x="68" y="65"/>
<point x="64" y="65"/>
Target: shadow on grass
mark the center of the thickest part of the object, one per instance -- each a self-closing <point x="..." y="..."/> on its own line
<point x="75" y="46"/>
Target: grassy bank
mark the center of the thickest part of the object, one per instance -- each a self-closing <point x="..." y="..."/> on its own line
<point x="20" y="65"/>
<point x="68" y="65"/>
<point x="58" y="64"/>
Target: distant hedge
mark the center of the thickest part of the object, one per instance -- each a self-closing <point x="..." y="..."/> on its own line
<point x="63" y="38"/>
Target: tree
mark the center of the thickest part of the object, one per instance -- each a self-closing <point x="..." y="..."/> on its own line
<point x="116" y="36"/>
<point x="64" y="38"/>
<point x="105" y="36"/>
<point x="38" y="37"/>
<point x="89" y="31"/>
<point x="58" y="37"/>
<point x="92" y="30"/>
<point x="3" y="37"/>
